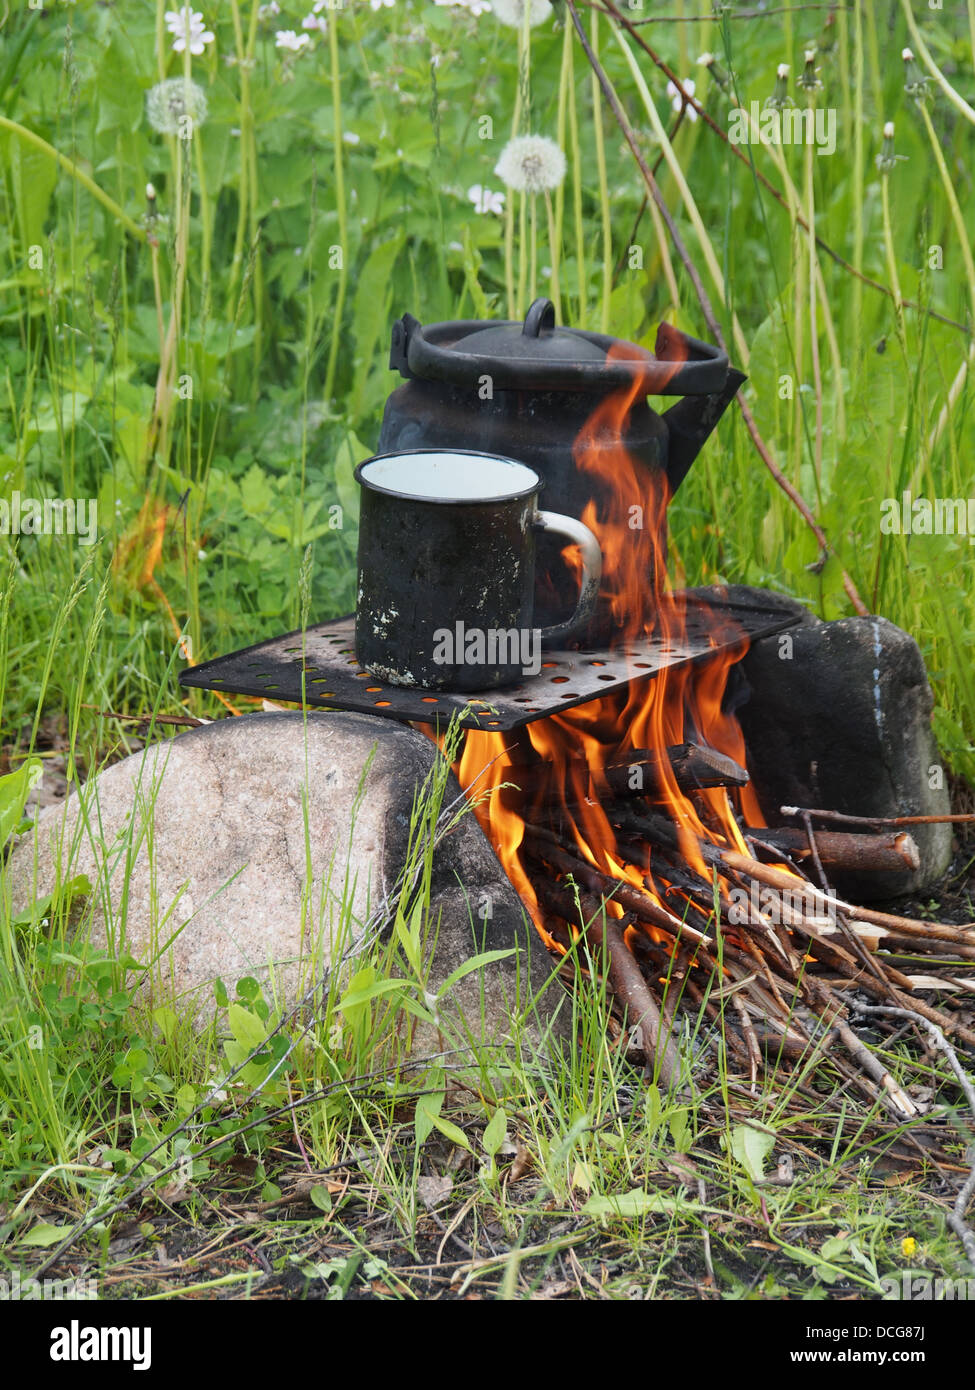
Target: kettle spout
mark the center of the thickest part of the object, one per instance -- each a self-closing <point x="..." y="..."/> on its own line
<point x="691" y="421"/>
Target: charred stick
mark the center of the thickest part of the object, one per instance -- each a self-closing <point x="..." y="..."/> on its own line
<point x="904" y="947"/>
<point x="879" y="822"/>
<point x="632" y="899"/>
<point x="625" y="980"/>
<point x="639" y="772"/>
<point x="891" y="853"/>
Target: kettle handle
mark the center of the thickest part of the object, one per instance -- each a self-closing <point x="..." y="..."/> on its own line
<point x="592" y="572"/>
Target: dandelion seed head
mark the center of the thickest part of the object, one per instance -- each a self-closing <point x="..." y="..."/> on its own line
<point x="170" y="103"/>
<point x="782" y="71"/>
<point x="531" y="164"/>
<point x="512" y="12"/>
<point x="476" y="7"/>
<point x="908" y="55"/>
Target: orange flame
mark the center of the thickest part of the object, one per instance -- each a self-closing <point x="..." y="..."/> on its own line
<point x="627" y="513"/>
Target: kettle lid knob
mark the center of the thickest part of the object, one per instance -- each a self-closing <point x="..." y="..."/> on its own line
<point x="539" y="319"/>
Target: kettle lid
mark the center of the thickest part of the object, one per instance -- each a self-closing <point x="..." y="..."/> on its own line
<point x="538" y="356"/>
<point x="536" y="339"/>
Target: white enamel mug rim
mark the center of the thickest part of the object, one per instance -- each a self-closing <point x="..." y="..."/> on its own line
<point x="448" y="476"/>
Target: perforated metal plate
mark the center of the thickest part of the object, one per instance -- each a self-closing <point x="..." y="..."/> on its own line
<point x="330" y="677"/>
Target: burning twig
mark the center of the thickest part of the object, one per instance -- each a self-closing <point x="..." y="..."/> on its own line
<point x="640" y="772"/>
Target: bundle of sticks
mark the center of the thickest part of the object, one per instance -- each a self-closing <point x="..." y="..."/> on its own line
<point x="757" y="943"/>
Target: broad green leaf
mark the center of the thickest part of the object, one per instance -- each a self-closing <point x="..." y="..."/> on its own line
<point x="451" y="1132"/>
<point x="633" y="1203"/>
<point x="15" y="787"/>
<point x="348" y="455"/>
<point x="321" y="1197"/>
<point x="44" y="1234"/>
<point x="427" y="1110"/>
<point x="166" y="1020"/>
<point x="494" y="1132"/>
<point x="751" y="1147"/>
<point x="247" y="1029"/>
<point x="370" y="322"/>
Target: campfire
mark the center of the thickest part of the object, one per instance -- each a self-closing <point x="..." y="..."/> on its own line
<point x="628" y="825"/>
<point x="612" y="781"/>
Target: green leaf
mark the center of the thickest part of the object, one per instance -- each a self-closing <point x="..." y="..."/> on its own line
<point x="34" y="176"/>
<point x="354" y="997"/>
<point x="751" y="1147"/>
<point x="475" y="963"/>
<point x="15" y="787"/>
<point x="428" y="1108"/>
<point x="374" y="289"/>
<point x="44" y="1234"/>
<point x="185" y="1098"/>
<point x="495" y="1131"/>
<point x="634" y="1203"/>
<point x="248" y="1030"/>
<point x="321" y="1197"/>
<point x="347" y="456"/>
<point x="451" y="1132"/>
<point x="409" y="936"/>
<point x="166" y="1020"/>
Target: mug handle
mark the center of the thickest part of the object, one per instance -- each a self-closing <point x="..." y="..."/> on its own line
<point x="592" y="571"/>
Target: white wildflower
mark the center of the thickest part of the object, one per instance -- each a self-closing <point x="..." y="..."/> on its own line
<point x="512" y="12"/>
<point x="378" y="4"/>
<point x="176" y="106"/>
<point x="188" y="29"/>
<point x="314" y="21"/>
<point x="531" y="164"/>
<point x="350" y="137"/>
<point x="485" y="200"/>
<point x="268" y="11"/>
<point x="678" y="102"/>
<point x="287" y="38"/>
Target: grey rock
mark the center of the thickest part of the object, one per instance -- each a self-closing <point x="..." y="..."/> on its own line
<point x="837" y="716"/>
<point x="244" y="837"/>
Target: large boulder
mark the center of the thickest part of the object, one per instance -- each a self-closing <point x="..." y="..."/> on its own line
<point x="837" y="715"/>
<point x="263" y="846"/>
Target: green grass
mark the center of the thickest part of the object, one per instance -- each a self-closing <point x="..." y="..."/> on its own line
<point x="271" y="348"/>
